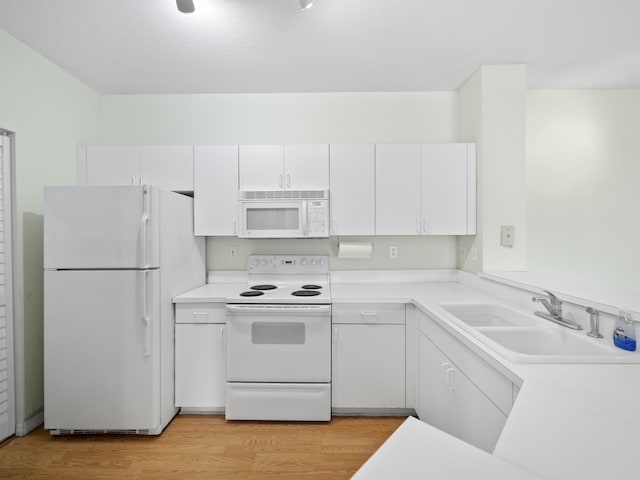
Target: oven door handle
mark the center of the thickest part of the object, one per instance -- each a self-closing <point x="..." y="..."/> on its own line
<point x="278" y="309"/>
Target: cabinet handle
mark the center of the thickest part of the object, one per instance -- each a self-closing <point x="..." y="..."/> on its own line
<point x="425" y="225"/>
<point x="335" y="335"/>
<point x="141" y="177"/>
<point x="222" y="339"/>
<point x="417" y="225"/>
<point x="368" y="314"/>
<point x="450" y="376"/>
<point x="200" y="316"/>
<point x="235" y="227"/>
<point x="443" y="368"/>
<point x="280" y="180"/>
<point x="133" y="180"/>
<point x="334" y="227"/>
<point x="288" y="180"/>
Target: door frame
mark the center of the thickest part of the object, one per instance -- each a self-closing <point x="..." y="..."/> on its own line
<point x="15" y="387"/>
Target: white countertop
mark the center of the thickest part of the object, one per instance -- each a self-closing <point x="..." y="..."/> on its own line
<point x="569" y="421"/>
<point x="417" y="450"/>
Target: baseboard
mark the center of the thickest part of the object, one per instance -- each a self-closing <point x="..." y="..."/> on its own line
<point x="29" y="425"/>
<point x="373" y="412"/>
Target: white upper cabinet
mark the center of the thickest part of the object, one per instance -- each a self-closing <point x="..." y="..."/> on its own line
<point x="306" y="167"/>
<point x="352" y="189"/>
<point x="109" y="165"/>
<point x="167" y="166"/>
<point x="284" y="167"/>
<point x="398" y="189"/>
<point x="425" y="189"/>
<point x="448" y="189"/>
<point x="215" y="190"/>
<point x="261" y="167"/>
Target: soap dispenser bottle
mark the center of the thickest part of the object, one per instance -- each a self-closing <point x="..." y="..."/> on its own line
<point x="624" y="336"/>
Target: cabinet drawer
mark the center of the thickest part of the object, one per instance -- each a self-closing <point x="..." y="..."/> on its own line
<point x="379" y="313"/>
<point x="491" y="382"/>
<point x="200" y="313"/>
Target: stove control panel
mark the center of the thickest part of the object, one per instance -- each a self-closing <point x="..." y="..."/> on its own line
<point x="289" y="264"/>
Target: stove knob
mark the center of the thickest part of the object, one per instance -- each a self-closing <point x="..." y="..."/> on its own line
<point x="264" y="261"/>
<point x="303" y="261"/>
<point x="321" y="262"/>
<point x="256" y="261"/>
<point x="313" y="262"/>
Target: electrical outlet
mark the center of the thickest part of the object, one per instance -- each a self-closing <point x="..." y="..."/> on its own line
<point x="393" y="252"/>
<point x="506" y="236"/>
<point x="474" y="254"/>
<point x="463" y="251"/>
<point x="233" y="252"/>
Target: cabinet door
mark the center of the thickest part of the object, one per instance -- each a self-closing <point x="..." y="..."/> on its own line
<point x="434" y="397"/>
<point x="168" y="166"/>
<point x="112" y="165"/>
<point x="200" y="373"/>
<point x="474" y="417"/>
<point x="444" y="189"/>
<point x="352" y="189"/>
<point x="368" y="366"/>
<point x="215" y="194"/>
<point x="306" y="167"/>
<point x="261" y="167"/>
<point x="398" y="189"/>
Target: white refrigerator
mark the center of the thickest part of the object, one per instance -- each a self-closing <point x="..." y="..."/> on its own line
<point x="114" y="257"/>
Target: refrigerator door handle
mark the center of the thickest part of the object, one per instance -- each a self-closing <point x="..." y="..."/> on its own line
<point x="144" y="225"/>
<point x="146" y="349"/>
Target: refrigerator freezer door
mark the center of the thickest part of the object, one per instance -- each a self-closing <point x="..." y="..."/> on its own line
<point x="102" y="342"/>
<point x="101" y="227"/>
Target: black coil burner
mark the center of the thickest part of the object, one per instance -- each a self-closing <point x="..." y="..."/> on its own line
<point x="311" y="287"/>
<point x="305" y="293"/>
<point x="251" y="293"/>
<point x="263" y="287"/>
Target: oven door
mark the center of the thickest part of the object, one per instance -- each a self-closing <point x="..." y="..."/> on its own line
<point x="273" y="219"/>
<point x="279" y="343"/>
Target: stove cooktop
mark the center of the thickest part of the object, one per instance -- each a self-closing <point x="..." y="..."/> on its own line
<point x="286" y="279"/>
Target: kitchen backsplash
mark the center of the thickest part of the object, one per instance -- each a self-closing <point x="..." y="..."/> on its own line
<point x="414" y="252"/>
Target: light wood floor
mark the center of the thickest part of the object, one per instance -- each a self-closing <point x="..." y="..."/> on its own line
<point x="203" y="446"/>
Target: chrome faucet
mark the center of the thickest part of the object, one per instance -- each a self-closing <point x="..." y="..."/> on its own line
<point x="554" y="306"/>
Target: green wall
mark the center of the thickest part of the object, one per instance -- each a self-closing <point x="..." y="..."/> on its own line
<point x="583" y="171"/>
<point x="50" y="112"/>
<point x="295" y="118"/>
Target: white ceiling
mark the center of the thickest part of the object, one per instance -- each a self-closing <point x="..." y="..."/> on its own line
<point x="147" y="46"/>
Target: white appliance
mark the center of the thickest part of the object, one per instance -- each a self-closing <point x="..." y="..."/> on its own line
<point x="114" y="257"/>
<point x="284" y="214"/>
<point x="278" y="361"/>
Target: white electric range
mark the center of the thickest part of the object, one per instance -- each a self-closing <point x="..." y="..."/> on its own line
<point x="278" y="360"/>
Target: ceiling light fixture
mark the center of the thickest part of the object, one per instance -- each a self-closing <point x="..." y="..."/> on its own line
<point x="186" y="6"/>
<point x="306" y="4"/>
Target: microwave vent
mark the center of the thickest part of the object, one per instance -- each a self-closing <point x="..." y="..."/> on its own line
<point x="284" y="195"/>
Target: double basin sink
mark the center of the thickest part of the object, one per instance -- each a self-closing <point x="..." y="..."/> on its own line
<point x="524" y="338"/>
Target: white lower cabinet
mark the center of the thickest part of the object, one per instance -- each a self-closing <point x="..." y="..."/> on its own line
<point x="368" y="356"/>
<point x="458" y="392"/>
<point x="200" y="357"/>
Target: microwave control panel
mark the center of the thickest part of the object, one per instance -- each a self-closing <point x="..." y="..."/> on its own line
<point x="317" y="218"/>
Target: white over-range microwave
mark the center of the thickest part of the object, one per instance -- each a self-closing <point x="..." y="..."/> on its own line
<point x="284" y="214"/>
